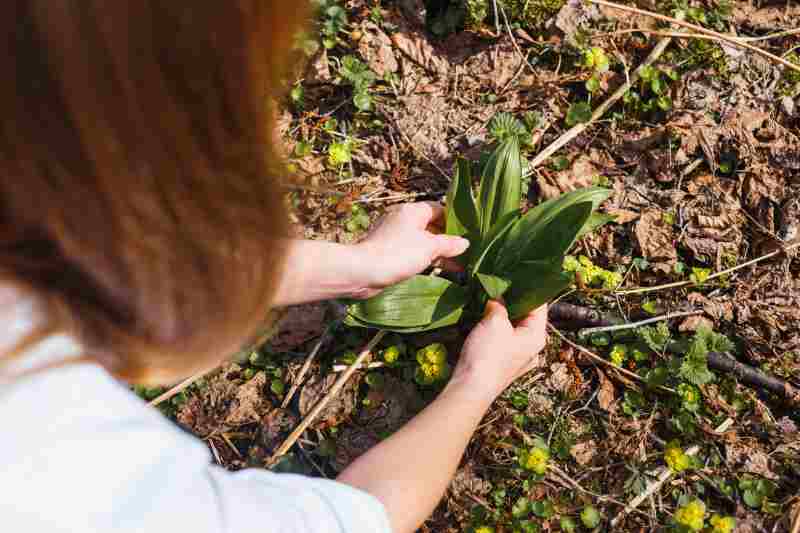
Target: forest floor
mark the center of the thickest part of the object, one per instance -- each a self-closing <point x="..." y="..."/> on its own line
<point x="702" y="153"/>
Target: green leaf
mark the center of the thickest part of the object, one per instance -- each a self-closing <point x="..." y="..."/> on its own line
<point x="504" y="125"/>
<point x="694" y="368"/>
<point x="490" y="241"/>
<point x="461" y="215"/>
<point x="417" y="301"/>
<point x="362" y="100"/>
<point x="530" y="227"/>
<point x="534" y="283"/>
<point x="494" y="286"/>
<point x="578" y="112"/>
<point x="595" y="220"/>
<point x="521" y="508"/>
<point x="501" y="184"/>
<point x="656" y="338"/>
<point x="557" y="236"/>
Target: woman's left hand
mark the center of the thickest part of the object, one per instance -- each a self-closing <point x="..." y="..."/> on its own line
<point x="404" y="243"/>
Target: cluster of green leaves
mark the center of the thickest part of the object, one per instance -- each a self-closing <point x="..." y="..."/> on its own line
<point x="514" y="256"/>
<point x="587" y="274"/>
<point x="652" y="93"/>
<point x="357" y="74"/>
<point x="597" y="61"/>
<point x="333" y="21"/>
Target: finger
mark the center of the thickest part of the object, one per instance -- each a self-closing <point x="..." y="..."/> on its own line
<point x="449" y="246"/>
<point x="495" y="310"/>
<point x="426" y="213"/>
<point x="534" y="324"/>
<point x="451" y="265"/>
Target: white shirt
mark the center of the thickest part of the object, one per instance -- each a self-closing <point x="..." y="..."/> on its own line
<point x="80" y="453"/>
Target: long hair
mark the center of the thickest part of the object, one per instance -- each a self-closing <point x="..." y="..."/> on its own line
<point x="135" y="164"/>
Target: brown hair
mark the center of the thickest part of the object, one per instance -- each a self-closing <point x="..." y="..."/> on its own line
<point x="134" y="162"/>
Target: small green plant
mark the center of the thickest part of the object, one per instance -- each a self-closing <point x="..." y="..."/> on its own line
<point x="333" y="21"/>
<point x="677" y="460"/>
<point x="577" y="113"/>
<point x="618" y="354"/>
<point x="587" y="274"/>
<point x="536" y="459"/>
<point x="653" y="90"/>
<point x="432" y="364"/>
<point x="358" y="220"/>
<point x="361" y="78"/>
<point x="591" y="517"/>
<point x="517" y="257"/>
<point x="597" y="61"/>
<point x="722" y="524"/>
<point x="691" y="516"/>
<point x="755" y="491"/>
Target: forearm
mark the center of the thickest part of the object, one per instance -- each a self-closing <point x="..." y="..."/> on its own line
<point x="319" y="270"/>
<point x="410" y="471"/>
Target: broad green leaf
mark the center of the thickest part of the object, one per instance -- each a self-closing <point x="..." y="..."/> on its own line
<point x="447" y="320"/>
<point x="461" y="216"/>
<point x="558" y="235"/>
<point x="417" y="301"/>
<point x="494" y="286"/>
<point x="534" y="283"/>
<point x="595" y="221"/>
<point x="490" y="241"/>
<point x="501" y="184"/>
<point x="533" y="223"/>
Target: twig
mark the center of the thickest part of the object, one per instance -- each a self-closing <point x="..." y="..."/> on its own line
<point x="593" y="356"/>
<point x="700" y="29"/>
<point x="677" y="284"/>
<point x="681" y="35"/>
<point x="577" y="129"/>
<point x="334" y="390"/>
<point x="180" y="386"/>
<point x="565" y="479"/>
<point x="619" y="327"/>
<point x="754" y="377"/>
<point x="306" y="365"/>
<point x="577" y="316"/>
<point x="368" y="366"/>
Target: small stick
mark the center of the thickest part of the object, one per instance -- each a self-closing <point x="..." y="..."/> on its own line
<point x="640" y="290"/>
<point x="306" y="365"/>
<point x="577" y="129"/>
<point x="334" y="390"/>
<point x="619" y="327"/>
<point x="376" y="364"/>
<point x="602" y="361"/>
<point x="700" y="29"/>
<point x="681" y="35"/>
<point x="754" y="377"/>
<point x="180" y="386"/>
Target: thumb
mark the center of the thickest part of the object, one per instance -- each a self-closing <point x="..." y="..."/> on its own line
<point x="495" y="310"/>
<point x="449" y="245"/>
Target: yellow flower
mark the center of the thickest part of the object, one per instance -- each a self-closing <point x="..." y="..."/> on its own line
<point x="435" y="353"/>
<point x="676" y="459"/>
<point x="536" y="460"/>
<point x="722" y="524"/>
<point x="692" y="515"/>
<point x="391" y="354"/>
<point x="618" y="354"/>
<point x="484" y="529"/>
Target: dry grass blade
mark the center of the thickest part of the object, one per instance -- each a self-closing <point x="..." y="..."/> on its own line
<point x="334" y="390"/>
<point x="734" y="41"/>
<point x="179" y="387"/>
<point x="619" y="327"/>
<point x="306" y="365"/>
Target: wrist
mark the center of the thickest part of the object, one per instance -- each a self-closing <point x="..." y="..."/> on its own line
<point x="467" y="378"/>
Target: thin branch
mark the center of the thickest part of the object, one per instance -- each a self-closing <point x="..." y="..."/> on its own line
<point x="676" y="284"/>
<point x="577" y="129"/>
<point x="754" y="377"/>
<point x="682" y="35"/>
<point x="320" y="406"/>
<point x="306" y="365"/>
<point x="180" y="387"/>
<point x="619" y="327"/>
<point x="735" y="41"/>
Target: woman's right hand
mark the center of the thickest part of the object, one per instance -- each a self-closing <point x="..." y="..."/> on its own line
<point x="497" y="352"/>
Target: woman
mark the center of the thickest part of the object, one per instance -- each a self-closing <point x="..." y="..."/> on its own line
<point x="141" y="240"/>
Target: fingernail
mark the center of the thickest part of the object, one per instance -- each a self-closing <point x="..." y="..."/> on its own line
<point x="462" y="244"/>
